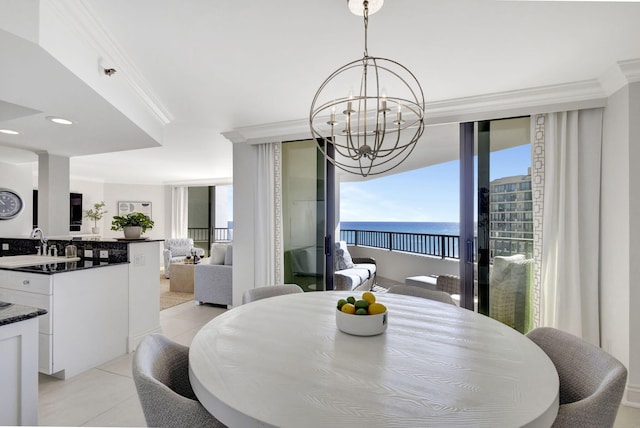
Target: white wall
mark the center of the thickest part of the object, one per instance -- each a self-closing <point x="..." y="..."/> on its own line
<point x="92" y="193"/>
<point x="113" y="193"/>
<point x="614" y="228"/>
<point x="633" y="389"/>
<point x="18" y="179"/>
<point x="620" y="230"/>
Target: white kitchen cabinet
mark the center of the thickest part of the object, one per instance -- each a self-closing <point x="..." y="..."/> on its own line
<point x="88" y="315"/>
<point x="144" y="291"/>
<point x="19" y="373"/>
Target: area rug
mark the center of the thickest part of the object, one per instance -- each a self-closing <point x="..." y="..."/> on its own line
<point x="169" y="299"/>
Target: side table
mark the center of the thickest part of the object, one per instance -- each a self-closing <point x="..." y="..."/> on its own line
<point x="181" y="277"/>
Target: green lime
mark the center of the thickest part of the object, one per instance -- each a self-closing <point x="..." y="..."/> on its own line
<point x="351" y="300"/>
<point x="362" y="311"/>
<point x="341" y="302"/>
<point x="362" y="304"/>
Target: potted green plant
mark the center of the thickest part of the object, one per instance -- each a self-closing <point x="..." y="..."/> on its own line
<point x="96" y="213"/>
<point x="133" y="224"/>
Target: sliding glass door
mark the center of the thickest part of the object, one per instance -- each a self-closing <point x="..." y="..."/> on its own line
<point x="305" y="190"/>
<point x="497" y="260"/>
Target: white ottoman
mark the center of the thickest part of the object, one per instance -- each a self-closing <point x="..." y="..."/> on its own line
<point x="425" y="281"/>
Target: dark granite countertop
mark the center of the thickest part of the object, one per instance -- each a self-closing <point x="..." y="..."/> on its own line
<point x="52" y="268"/>
<point x="10" y="313"/>
<point x="121" y="240"/>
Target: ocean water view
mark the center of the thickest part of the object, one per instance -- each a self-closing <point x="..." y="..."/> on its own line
<point x="433" y="228"/>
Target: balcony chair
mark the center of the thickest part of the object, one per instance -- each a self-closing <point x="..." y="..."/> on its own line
<point x="410" y="290"/>
<point x="258" y="293"/>
<point x="160" y="370"/>
<point x="592" y="382"/>
<point x="510" y="280"/>
<point x="175" y="250"/>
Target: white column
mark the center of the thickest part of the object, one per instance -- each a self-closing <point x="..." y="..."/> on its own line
<point x="245" y="160"/>
<point x="53" y="194"/>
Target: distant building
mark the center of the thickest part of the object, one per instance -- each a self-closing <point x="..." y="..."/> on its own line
<point x="511" y="216"/>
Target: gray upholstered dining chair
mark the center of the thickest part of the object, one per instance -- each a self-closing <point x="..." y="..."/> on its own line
<point x="410" y="290"/>
<point x="591" y="381"/>
<point x="269" y="291"/>
<point x="161" y="374"/>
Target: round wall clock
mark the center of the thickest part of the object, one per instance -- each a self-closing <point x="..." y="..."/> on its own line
<point x="10" y="204"/>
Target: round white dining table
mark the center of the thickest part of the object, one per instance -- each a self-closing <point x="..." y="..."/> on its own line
<point x="283" y="362"/>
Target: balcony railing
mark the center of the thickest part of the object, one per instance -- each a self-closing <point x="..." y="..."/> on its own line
<point x="205" y="235"/>
<point x="443" y="246"/>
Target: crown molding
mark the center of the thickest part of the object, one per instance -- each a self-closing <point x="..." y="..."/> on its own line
<point x="620" y="75"/>
<point x="570" y="96"/>
<point x="226" y="181"/>
<point x="82" y="19"/>
<point x="270" y="132"/>
<point x="544" y="99"/>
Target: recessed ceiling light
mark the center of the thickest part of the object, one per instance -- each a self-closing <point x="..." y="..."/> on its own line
<point x="9" y="131"/>
<point x="59" y="120"/>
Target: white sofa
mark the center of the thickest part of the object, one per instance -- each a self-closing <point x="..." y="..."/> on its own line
<point x="175" y="250"/>
<point x="352" y="273"/>
<point x="349" y="273"/>
<point x="213" y="276"/>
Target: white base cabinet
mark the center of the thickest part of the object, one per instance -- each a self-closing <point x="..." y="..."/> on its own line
<point x="87" y="320"/>
<point x="19" y="373"/>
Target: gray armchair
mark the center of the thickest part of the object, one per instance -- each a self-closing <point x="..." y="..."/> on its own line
<point x="175" y="250"/>
<point x="213" y="283"/>
<point x="161" y="374"/>
<point x="258" y="293"/>
<point x="591" y="381"/>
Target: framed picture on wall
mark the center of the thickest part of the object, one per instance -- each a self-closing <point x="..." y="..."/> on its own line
<point x="128" y="207"/>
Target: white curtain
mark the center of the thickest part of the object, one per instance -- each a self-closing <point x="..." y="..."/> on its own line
<point x="571" y="241"/>
<point x="268" y="245"/>
<point x="179" y="212"/>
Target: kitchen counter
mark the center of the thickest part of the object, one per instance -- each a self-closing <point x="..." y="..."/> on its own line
<point x="15" y="313"/>
<point x="113" y="288"/>
<point x="52" y="268"/>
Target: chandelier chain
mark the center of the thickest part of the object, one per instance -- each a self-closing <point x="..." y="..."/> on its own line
<point x="366" y="25"/>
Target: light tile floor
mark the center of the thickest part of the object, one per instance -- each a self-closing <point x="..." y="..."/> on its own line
<point x="106" y="396"/>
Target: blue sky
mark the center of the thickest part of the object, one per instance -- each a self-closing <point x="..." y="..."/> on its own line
<point x="426" y="195"/>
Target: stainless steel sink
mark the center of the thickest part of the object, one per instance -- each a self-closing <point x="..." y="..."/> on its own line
<point x="33" y="260"/>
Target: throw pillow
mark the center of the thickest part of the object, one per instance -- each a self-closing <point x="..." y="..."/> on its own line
<point x="343" y="259"/>
<point x="218" y="252"/>
<point x="501" y="266"/>
<point x="179" y="251"/>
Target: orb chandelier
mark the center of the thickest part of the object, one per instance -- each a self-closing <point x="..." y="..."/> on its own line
<point x="375" y="128"/>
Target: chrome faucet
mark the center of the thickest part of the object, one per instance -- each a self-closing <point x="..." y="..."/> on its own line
<point x="43" y="240"/>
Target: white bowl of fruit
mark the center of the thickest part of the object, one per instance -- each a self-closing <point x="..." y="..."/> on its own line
<point x="361" y="317"/>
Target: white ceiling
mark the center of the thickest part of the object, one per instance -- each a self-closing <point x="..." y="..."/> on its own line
<point x="217" y="65"/>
